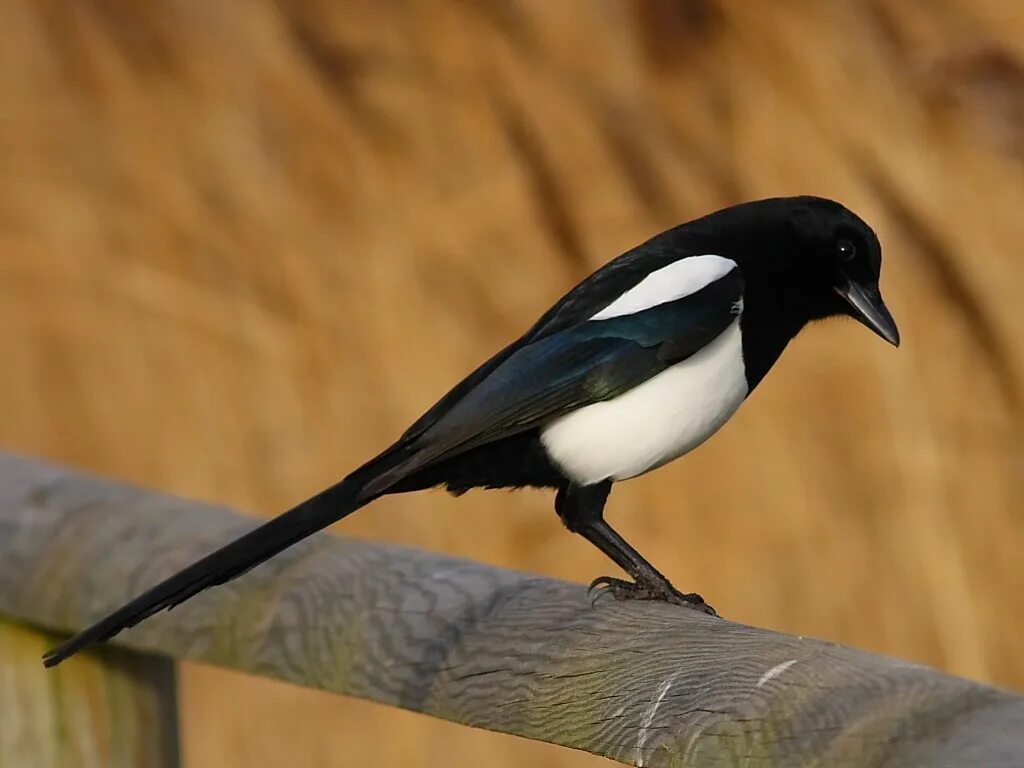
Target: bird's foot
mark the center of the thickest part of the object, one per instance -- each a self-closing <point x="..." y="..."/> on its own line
<point x="621" y="589"/>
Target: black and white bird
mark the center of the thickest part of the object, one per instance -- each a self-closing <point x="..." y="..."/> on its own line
<point x="634" y="367"/>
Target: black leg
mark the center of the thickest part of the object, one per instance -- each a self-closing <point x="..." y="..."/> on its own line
<point x="582" y="510"/>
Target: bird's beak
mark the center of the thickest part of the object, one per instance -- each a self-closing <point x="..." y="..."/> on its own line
<point x="869" y="309"/>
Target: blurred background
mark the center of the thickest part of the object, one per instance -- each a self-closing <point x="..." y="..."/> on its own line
<point x="243" y="244"/>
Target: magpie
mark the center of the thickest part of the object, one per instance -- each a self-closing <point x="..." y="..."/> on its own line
<point x="634" y="367"/>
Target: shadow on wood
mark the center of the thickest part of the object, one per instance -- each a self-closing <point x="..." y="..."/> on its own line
<point x="645" y="684"/>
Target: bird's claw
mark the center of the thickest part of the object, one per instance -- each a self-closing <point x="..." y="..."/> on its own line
<point x="621" y="589"/>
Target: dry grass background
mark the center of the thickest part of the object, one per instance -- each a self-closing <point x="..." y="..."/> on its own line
<point x="242" y="244"/>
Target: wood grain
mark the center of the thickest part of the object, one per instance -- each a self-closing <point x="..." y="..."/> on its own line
<point x="114" y="709"/>
<point x="644" y="684"/>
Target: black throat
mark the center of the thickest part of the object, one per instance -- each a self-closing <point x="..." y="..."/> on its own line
<point x="774" y="311"/>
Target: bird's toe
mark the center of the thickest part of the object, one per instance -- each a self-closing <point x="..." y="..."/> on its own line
<point x="620" y="589"/>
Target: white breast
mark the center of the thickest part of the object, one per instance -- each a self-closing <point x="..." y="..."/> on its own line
<point x="660" y="420"/>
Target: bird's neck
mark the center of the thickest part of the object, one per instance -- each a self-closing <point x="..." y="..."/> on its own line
<point x="770" y="319"/>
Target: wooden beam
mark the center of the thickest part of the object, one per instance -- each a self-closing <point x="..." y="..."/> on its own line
<point x="642" y="683"/>
<point x="115" y="709"/>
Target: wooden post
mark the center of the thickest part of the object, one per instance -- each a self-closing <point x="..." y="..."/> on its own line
<point x="642" y="683"/>
<point x="114" y="709"/>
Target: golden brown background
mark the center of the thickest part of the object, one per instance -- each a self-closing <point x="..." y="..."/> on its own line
<point x="242" y="244"/>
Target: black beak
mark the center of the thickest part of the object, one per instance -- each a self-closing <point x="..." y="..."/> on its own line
<point x="869" y="309"/>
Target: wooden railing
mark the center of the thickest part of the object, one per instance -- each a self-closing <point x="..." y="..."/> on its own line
<point x="641" y="683"/>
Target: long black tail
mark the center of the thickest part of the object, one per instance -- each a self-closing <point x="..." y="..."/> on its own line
<point x="234" y="559"/>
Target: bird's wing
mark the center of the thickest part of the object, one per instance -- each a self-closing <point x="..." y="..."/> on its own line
<point x="591" y="361"/>
<point x="576" y="307"/>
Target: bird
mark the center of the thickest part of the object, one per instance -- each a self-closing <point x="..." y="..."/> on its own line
<point x="635" y="366"/>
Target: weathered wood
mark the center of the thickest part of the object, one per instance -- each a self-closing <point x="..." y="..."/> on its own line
<point x="115" y="709"/>
<point x="647" y="684"/>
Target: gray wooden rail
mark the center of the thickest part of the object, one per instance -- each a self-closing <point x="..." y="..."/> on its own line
<point x="644" y="684"/>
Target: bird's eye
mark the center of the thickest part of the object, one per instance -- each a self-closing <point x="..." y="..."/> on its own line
<point x="846" y="250"/>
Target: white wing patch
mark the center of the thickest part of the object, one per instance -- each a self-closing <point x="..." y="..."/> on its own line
<point x="678" y="279"/>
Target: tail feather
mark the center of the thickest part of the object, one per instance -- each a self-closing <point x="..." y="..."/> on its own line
<point x="232" y="560"/>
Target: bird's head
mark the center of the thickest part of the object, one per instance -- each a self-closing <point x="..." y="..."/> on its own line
<point x="818" y="257"/>
<point x="841" y="254"/>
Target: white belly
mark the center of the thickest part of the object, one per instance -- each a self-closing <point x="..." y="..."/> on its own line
<point x="660" y="420"/>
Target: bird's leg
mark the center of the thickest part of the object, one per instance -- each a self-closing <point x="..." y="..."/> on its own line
<point x="581" y="509"/>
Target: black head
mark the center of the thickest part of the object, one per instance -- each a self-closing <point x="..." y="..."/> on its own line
<point x="841" y="253"/>
<point x="809" y="258"/>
